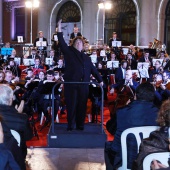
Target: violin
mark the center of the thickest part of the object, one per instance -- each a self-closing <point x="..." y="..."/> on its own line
<point x="158" y="83"/>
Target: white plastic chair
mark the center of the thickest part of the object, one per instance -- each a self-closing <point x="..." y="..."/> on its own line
<point x="16" y="136"/>
<point x="162" y="157"/>
<point x="145" y="130"/>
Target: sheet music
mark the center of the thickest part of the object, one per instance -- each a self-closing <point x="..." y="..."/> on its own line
<point x="93" y="58"/>
<point x="112" y="64"/>
<point x="48" y="61"/>
<point x="41" y="43"/>
<point x="143" y="73"/>
<point x="154" y="61"/>
<point x="116" y="43"/>
<point x="125" y="50"/>
<point x="142" y="65"/>
<point x="17" y="61"/>
<point x="28" y="62"/>
<point x="102" y="53"/>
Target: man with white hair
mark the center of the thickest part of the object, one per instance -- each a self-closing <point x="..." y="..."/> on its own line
<point x="16" y="121"/>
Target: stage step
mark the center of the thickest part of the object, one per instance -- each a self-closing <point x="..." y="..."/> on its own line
<point x="90" y="137"/>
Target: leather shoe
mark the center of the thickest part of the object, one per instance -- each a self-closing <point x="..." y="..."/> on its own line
<point x="80" y="128"/>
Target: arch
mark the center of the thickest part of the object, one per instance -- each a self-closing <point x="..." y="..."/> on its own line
<point x="52" y="11"/>
<point x="137" y="22"/>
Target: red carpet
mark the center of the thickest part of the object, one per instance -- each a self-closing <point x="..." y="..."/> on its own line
<point x="42" y="142"/>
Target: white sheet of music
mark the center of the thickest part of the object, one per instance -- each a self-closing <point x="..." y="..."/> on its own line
<point x="154" y="61"/>
<point x="102" y="53"/>
<point x="41" y="43"/>
<point x="142" y="65"/>
<point x="17" y="60"/>
<point x="116" y="43"/>
<point x="143" y="73"/>
<point x="28" y="62"/>
<point x="125" y="50"/>
<point x="48" y="61"/>
<point x="112" y="64"/>
<point x="93" y="58"/>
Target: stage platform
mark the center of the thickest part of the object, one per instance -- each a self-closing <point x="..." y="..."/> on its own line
<point x="91" y="137"/>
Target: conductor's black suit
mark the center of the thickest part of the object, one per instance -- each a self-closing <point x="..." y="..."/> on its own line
<point x="78" y="68"/>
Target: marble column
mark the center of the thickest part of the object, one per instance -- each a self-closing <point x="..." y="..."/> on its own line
<point x="148" y="24"/>
<point x="1" y="20"/>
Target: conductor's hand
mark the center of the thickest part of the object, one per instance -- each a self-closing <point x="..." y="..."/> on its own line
<point x="101" y="83"/>
<point x="59" y="25"/>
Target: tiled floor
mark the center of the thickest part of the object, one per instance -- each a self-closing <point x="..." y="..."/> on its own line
<point x="65" y="159"/>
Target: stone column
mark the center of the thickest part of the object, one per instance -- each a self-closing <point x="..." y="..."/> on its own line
<point x="89" y="20"/>
<point x="1" y="20"/>
<point x="148" y="24"/>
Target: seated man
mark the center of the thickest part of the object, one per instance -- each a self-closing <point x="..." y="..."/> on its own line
<point x="45" y="99"/>
<point x="16" y="121"/>
<point x="140" y="112"/>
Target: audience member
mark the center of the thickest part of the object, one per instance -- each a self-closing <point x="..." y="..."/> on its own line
<point x="140" y="112"/>
<point x="158" y="140"/>
<point x="16" y="121"/>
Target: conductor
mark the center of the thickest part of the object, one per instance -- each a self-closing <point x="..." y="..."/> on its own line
<point x="78" y="68"/>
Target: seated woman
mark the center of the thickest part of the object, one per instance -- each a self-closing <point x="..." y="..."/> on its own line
<point x="158" y="141"/>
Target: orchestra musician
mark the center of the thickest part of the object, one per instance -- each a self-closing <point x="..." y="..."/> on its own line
<point x="128" y="81"/>
<point x="12" y="66"/>
<point x="2" y="78"/>
<point x="166" y="63"/>
<point x="146" y="58"/>
<point x="45" y="99"/>
<point x="42" y="48"/>
<point x="114" y="38"/>
<point x="75" y="33"/>
<point x="33" y="54"/>
<point x="161" y="93"/>
<point x="132" y="64"/>
<point x="155" y="70"/>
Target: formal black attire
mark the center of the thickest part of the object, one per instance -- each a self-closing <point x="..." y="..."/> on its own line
<point x="111" y="39"/>
<point x="137" y="113"/>
<point x="33" y="56"/>
<point x="18" y="122"/>
<point x="73" y="35"/>
<point x="167" y="66"/>
<point x="41" y="49"/>
<point x="78" y="68"/>
<point x="142" y="59"/>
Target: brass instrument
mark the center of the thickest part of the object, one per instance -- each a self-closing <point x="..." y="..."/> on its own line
<point x="155" y="44"/>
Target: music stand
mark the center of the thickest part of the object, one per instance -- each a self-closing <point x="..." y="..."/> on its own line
<point x="17" y="60"/>
<point x="93" y="58"/>
<point x="32" y="85"/>
<point x="125" y="51"/>
<point x="154" y="61"/>
<point x="41" y="43"/>
<point x="102" y="53"/>
<point x="6" y="51"/>
<point x="112" y="64"/>
<point x="48" y="61"/>
<point x="143" y="65"/>
<point x="116" y="43"/>
<point x="28" y="62"/>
